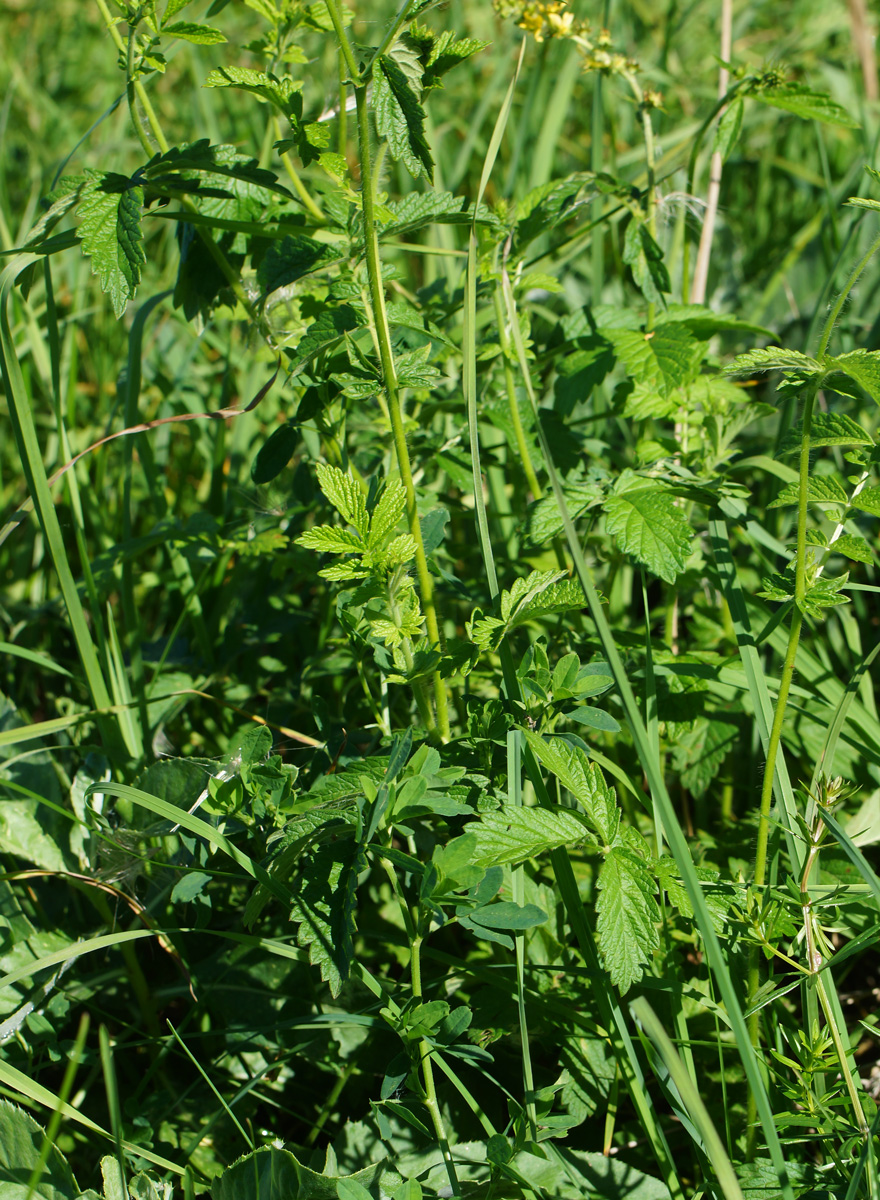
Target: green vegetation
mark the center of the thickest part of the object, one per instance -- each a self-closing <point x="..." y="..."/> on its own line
<point x="438" y="746"/>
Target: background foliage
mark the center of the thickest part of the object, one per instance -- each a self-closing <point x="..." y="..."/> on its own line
<point x="366" y="833"/>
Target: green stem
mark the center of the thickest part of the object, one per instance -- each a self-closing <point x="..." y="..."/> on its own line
<point x="428" y="1073"/>
<point x="392" y="391"/>
<point x="510" y="387"/>
<point x="344" y="43"/>
<point x="293" y="175"/>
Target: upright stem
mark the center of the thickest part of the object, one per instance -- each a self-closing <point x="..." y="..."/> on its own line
<point x="510" y="387"/>
<point x="701" y="271"/>
<point x="392" y="390"/>
<point x="428" y="1074"/>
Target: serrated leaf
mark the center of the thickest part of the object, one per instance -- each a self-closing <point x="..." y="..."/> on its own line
<point x="543" y="518"/>
<point x="109" y="227"/>
<point x="867" y="500"/>
<point x="512" y="834"/>
<point x="666" y="358"/>
<point x="387" y="513"/>
<point x="728" y="131"/>
<point x="330" y="327"/>
<point x="199" y="35"/>
<point x="863" y="366"/>
<point x="329" y="539"/>
<point x="280" y="92"/>
<point x="852" y="547"/>
<point x="821" y="489"/>
<point x="536" y="595"/>
<point x="572" y="767"/>
<point x="647" y="523"/>
<point x="274" y="455"/>
<point x="773" y="358"/>
<point x="399" y="550"/>
<point x="173" y="7"/>
<point x="828" y="429"/>
<point x="400" y="118"/>
<point x="627" y="916"/>
<point x="700" y="752"/>
<point x="823" y="593"/>
<point x="346" y="495"/>
<point x="803" y="102"/>
<point x="292" y="258"/>
<point x="645" y="259"/>
<point x="324" y="905"/>
<point x="270" y="1173"/>
<point x="21" y="1140"/>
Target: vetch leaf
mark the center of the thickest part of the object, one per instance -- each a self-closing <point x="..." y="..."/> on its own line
<point x="108" y="217"/>
<point x="647" y="523"/>
<point x="506" y="915"/>
<point x="628" y="915"/>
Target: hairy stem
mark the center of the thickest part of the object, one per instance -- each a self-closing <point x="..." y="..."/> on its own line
<point x="392" y="391"/>
<point x="510" y="388"/>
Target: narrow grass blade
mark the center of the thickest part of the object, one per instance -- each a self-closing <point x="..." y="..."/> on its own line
<point x="22" y="420"/>
<point x="712" y="1143"/>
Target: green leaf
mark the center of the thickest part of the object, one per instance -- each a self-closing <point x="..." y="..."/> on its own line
<point x="329" y="539"/>
<point x="281" y="92"/>
<point x="346" y="495"/>
<point x="108" y="225"/>
<point x="852" y="547"/>
<point x="728" y="131"/>
<point x="666" y="358"/>
<point x="867" y="500"/>
<point x="512" y="834"/>
<point x="200" y="35"/>
<point x="828" y="429"/>
<point x="274" y="455"/>
<point x="400" y="118"/>
<point x="648" y="524"/>
<point x="191" y="885"/>
<point x="773" y="358"/>
<point x="543" y="518"/>
<point x="803" y="102"/>
<point x="387" y="513"/>
<point x="506" y="915"/>
<point x="350" y="1189"/>
<point x="572" y="767"/>
<point x="173" y="7"/>
<point x="536" y="595"/>
<point x="323" y="907"/>
<point x="593" y="718"/>
<point x="861" y="365"/>
<point x="645" y="259"/>
<point x="292" y="258"/>
<point x="699" y="753"/>
<point x="330" y="327"/>
<point x="271" y="1173"/>
<point x="628" y="915"/>
<point x="21" y="1139"/>
<point x="821" y="489"/>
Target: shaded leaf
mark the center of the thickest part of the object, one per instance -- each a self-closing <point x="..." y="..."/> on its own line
<point x="109" y="227"/>
<point x="648" y="524"/>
